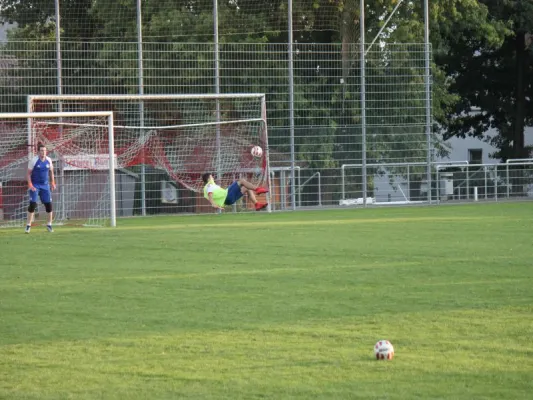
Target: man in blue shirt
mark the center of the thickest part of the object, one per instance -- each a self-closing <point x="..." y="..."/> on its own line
<point x="40" y="179"/>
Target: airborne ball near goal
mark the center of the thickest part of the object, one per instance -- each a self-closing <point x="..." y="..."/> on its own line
<point x="383" y="350"/>
<point x="257" y="152"/>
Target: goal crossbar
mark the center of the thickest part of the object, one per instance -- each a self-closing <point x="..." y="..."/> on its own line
<point x="73" y="114"/>
<point x="31" y="98"/>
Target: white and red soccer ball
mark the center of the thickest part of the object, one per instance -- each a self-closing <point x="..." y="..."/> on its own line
<point x="384" y="350"/>
<point x="257" y="152"/>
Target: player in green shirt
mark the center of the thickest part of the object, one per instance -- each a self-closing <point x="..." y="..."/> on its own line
<point x="219" y="197"/>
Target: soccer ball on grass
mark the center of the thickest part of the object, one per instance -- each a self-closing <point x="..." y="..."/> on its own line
<point x="383" y="350"/>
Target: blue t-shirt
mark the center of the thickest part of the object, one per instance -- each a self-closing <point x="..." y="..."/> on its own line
<point x="40" y="170"/>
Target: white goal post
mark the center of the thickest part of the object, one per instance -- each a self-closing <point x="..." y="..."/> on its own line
<point x="177" y="138"/>
<point x="75" y="142"/>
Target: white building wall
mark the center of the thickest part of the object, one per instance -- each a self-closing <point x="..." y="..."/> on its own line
<point x="460" y="147"/>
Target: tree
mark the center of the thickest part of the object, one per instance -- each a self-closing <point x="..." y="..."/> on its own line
<point x="487" y="59"/>
<point x="327" y="82"/>
<point x="26" y="12"/>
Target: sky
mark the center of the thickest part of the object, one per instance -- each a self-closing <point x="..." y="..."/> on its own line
<point x="3" y="29"/>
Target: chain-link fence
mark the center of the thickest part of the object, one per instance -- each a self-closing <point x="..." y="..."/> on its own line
<point x="325" y="146"/>
<point x="327" y="105"/>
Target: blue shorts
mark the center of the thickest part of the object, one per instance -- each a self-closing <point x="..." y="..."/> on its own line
<point x="234" y="193"/>
<point x="43" y="191"/>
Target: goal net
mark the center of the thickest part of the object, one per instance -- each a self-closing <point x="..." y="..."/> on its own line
<point x="80" y="145"/>
<point x="177" y="138"/>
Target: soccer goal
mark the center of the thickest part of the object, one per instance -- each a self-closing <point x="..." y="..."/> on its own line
<point x="81" y="147"/>
<point x="176" y="138"/>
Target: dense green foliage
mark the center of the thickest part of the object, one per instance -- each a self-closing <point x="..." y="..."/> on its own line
<point x="482" y="54"/>
<point x="487" y="56"/>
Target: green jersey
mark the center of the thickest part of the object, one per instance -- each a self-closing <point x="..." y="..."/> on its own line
<point x="219" y="194"/>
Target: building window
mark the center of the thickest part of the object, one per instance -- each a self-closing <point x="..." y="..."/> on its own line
<point x="475" y="156"/>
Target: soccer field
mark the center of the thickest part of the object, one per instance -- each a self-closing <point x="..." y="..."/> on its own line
<point x="277" y="306"/>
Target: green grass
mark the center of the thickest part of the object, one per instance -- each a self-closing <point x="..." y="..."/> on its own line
<point x="280" y="306"/>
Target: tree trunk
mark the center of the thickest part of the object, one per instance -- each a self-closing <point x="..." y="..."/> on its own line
<point x="519" y="150"/>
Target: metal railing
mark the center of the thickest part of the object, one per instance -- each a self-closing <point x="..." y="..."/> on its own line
<point x="492" y="177"/>
<point x="515" y="161"/>
<point x="379" y="165"/>
<point x="386" y="167"/>
<point x="284" y="185"/>
<point x="450" y="180"/>
<point x="319" y="187"/>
